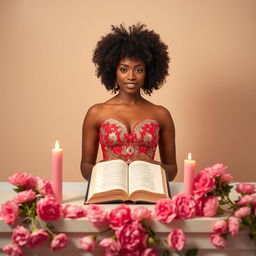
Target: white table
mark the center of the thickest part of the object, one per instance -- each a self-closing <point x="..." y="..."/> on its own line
<point x="197" y="230"/>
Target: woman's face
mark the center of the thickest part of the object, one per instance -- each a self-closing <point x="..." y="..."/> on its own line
<point x="130" y="75"/>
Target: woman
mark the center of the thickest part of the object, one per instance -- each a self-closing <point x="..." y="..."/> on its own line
<point x="128" y="126"/>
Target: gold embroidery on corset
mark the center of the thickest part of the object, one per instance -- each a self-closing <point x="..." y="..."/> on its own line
<point x="113" y="137"/>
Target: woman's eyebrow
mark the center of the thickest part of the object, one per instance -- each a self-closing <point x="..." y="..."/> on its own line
<point x="128" y="65"/>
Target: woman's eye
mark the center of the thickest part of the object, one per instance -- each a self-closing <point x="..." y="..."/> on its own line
<point x="123" y="70"/>
<point x="139" y="70"/>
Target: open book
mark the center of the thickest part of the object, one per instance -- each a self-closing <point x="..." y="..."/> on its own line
<point x="116" y="181"/>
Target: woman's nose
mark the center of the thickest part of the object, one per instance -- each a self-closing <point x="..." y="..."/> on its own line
<point x="131" y="75"/>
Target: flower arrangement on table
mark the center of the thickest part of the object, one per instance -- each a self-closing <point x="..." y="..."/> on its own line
<point x="34" y="207"/>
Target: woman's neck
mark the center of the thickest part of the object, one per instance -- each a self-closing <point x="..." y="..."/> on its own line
<point x="129" y="99"/>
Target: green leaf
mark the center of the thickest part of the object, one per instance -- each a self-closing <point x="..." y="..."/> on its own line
<point x="192" y="252"/>
<point x="165" y="253"/>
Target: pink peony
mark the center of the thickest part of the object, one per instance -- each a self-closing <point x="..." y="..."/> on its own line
<point x="185" y="206"/>
<point x="59" y="242"/>
<point x="119" y="216"/>
<point x="216" y="170"/>
<point x="207" y="206"/>
<point x="140" y="213"/>
<point x="176" y="239"/>
<point x="165" y="210"/>
<point x="97" y="215"/>
<point x="24" y="196"/>
<point x="131" y="237"/>
<point x="220" y="226"/>
<point x="242" y="212"/>
<point x="87" y="243"/>
<point x="110" y="246"/>
<point x="227" y="178"/>
<point x="245" y="188"/>
<point x="233" y="225"/>
<point x="44" y="186"/>
<point x="48" y="208"/>
<point x="149" y="252"/>
<point x="9" y="212"/>
<point x="74" y="211"/>
<point x="37" y="238"/>
<point x="20" y="235"/>
<point x="20" y="179"/>
<point x="247" y="199"/>
<point x="203" y="183"/>
<point x="13" y="250"/>
<point x="218" y="241"/>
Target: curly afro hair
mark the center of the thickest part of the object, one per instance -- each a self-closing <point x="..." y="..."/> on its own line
<point x="137" y="43"/>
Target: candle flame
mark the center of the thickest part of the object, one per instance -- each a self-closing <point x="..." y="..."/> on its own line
<point x="189" y="156"/>
<point x="57" y="145"/>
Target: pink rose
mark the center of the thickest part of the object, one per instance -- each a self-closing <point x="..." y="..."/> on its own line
<point x="37" y="238"/>
<point x="97" y="215"/>
<point x="185" y="205"/>
<point x="48" y="208"/>
<point x="59" y="242"/>
<point x="216" y="170"/>
<point x="13" y="250"/>
<point x="165" y="210"/>
<point x="245" y="188"/>
<point x="9" y="212"/>
<point x="20" y="235"/>
<point x="87" y="243"/>
<point x="203" y="183"/>
<point x="176" y="239"/>
<point x="73" y="211"/>
<point x="131" y="237"/>
<point x="44" y="186"/>
<point x="218" y="241"/>
<point x="110" y="246"/>
<point x="220" y="226"/>
<point x="20" y="179"/>
<point x="242" y="212"/>
<point x="227" y="178"/>
<point x="149" y="252"/>
<point x="247" y="199"/>
<point x="119" y="216"/>
<point x="140" y="213"/>
<point x="207" y="206"/>
<point x="31" y="183"/>
<point x="233" y="225"/>
<point x="24" y="196"/>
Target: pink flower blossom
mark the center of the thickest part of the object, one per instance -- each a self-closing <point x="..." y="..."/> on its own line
<point x="74" y="211"/>
<point x="220" y="226"/>
<point x="119" y="216"/>
<point x="13" y="250"/>
<point x="216" y="170"/>
<point x="140" y="213"/>
<point x="242" y="212"/>
<point x="20" y="235"/>
<point x="207" y="206"/>
<point x="44" y="186"/>
<point x="97" y="215"/>
<point x="245" y="188"/>
<point x="203" y="183"/>
<point x="233" y="225"/>
<point x="24" y="196"/>
<point x="9" y="212"/>
<point x="227" y="178"/>
<point x="48" y="208"/>
<point x="176" y="239"/>
<point x="20" y="179"/>
<point x="149" y="252"/>
<point x="37" y="238"/>
<point x="58" y="242"/>
<point x="247" y="199"/>
<point x="87" y="243"/>
<point x="218" y="241"/>
<point x="165" y="210"/>
<point x="131" y="237"/>
<point x="185" y="206"/>
<point x="110" y="246"/>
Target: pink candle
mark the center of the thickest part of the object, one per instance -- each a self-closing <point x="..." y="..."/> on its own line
<point x="57" y="155"/>
<point x="189" y="174"/>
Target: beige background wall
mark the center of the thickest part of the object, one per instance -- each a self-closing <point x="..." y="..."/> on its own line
<point x="48" y="82"/>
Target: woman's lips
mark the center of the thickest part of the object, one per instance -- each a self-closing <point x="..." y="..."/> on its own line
<point x="131" y="85"/>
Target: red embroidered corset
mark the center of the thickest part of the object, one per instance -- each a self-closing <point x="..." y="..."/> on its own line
<point x="115" y="138"/>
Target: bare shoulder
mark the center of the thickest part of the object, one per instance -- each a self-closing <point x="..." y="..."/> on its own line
<point x="164" y="116"/>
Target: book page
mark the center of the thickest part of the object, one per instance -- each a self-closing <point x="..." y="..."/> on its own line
<point x="145" y="176"/>
<point x="110" y="175"/>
